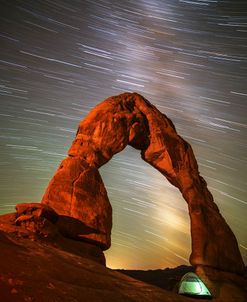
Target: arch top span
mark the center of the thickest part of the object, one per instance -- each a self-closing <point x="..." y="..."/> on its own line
<point x="77" y="190"/>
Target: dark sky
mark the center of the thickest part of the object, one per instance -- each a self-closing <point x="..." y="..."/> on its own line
<point x="189" y="58"/>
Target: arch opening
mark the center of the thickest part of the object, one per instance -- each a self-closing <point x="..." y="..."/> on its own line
<point x="150" y="219"/>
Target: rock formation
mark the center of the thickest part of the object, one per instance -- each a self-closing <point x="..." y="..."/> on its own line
<point x="52" y="251"/>
<point x="77" y="190"/>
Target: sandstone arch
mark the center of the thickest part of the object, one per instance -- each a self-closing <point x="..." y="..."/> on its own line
<point x="77" y="190"/>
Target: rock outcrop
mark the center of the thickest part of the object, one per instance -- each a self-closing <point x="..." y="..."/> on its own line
<point x="41" y="224"/>
<point x="77" y="190"/>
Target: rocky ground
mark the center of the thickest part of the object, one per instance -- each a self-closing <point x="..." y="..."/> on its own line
<point x="33" y="270"/>
<point x="41" y="261"/>
<point x="39" y="271"/>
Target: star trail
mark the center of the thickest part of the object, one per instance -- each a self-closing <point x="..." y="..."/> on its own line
<point x="189" y="58"/>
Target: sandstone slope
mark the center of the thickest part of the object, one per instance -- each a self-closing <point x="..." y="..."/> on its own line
<point x="37" y="263"/>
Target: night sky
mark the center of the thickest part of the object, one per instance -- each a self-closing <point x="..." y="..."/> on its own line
<point x="189" y="58"/>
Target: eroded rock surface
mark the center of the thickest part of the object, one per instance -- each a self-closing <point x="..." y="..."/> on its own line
<point x="40" y="224"/>
<point x="39" y="264"/>
<point x="39" y="271"/>
<point x="77" y="190"/>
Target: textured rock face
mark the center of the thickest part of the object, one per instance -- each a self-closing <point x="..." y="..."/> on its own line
<point x="40" y="224"/>
<point x="77" y="190"/>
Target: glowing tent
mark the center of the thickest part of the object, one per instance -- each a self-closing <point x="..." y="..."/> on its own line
<point x="192" y="285"/>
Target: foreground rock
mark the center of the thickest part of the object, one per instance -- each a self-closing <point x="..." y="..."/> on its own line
<point x="37" y="223"/>
<point x="77" y="190"/>
<point x="38" y="264"/>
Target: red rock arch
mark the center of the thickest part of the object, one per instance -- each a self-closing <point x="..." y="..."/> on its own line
<point x="77" y="190"/>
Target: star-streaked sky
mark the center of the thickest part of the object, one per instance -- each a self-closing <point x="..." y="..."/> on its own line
<point x="60" y="58"/>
